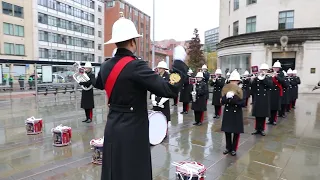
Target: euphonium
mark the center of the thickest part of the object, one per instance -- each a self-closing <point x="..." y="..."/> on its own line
<point x="81" y="76"/>
<point x="194" y="93"/>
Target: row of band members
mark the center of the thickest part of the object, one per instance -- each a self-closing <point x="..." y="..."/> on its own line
<point x="274" y="93"/>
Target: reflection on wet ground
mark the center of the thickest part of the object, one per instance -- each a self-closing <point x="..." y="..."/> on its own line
<point x="291" y="150"/>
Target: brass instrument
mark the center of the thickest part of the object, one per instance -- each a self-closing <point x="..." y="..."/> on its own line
<point x="263" y="75"/>
<point x="193" y="92"/>
<point x="232" y="87"/>
<point x="81" y="76"/>
<point x="316" y="87"/>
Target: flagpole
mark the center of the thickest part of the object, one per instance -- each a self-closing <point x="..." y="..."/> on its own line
<point x="153" y="38"/>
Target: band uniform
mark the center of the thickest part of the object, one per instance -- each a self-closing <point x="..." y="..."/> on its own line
<point x="87" y="98"/>
<point x="217" y="84"/>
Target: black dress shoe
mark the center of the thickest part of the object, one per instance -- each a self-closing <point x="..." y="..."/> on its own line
<point x="255" y="132"/>
<point x="199" y="124"/>
<point x="195" y="123"/>
<point x="85" y="120"/>
<point x="182" y="112"/>
<point x="263" y="133"/>
<point x="274" y="123"/>
<point x="226" y="152"/>
<point x="89" y="121"/>
<point x="233" y="153"/>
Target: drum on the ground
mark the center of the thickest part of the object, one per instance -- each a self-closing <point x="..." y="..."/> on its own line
<point x="61" y="135"/>
<point x="188" y="170"/>
<point x="97" y="146"/>
<point x="33" y="126"/>
<point x="157" y="127"/>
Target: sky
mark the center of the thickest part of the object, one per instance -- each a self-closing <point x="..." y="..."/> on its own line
<point x="176" y="19"/>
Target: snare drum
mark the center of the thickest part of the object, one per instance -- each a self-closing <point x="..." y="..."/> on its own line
<point x="183" y="171"/>
<point x="33" y="126"/>
<point x="157" y="127"/>
<point x="62" y="136"/>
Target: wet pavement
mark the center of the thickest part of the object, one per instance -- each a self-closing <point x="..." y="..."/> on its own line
<point x="290" y="151"/>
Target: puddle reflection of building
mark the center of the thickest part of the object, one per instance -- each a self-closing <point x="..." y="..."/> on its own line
<point x="198" y="142"/>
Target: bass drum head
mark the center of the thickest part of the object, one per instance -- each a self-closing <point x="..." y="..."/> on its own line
<point x="157" y="127"/>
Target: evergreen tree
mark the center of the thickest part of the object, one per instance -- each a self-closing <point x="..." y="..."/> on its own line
<point x="196" y="57"/>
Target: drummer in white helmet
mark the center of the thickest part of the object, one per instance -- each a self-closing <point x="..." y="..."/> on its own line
<point x="126" y="80"/>
<point x="199" y="106"/>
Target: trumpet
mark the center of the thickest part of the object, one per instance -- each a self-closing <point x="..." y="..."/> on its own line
<point x="316" y="87"/>
<point x="81" y="76"/>
<point x="194" y="93"/>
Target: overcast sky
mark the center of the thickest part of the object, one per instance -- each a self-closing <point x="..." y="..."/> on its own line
<point x="177" y="19"/>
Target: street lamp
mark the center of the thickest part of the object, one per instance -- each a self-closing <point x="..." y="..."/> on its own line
<point x="153" y="27"/>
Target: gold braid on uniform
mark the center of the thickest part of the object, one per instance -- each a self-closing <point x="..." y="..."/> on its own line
<point x="174" y="78"/>
<point x="232" y="87"/>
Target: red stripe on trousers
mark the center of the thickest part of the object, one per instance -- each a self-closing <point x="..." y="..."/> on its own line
<point x="187" y="108"/>
<point x="202" y="117"/>
<point x="220" y="111"/>
<point x="276" y="117"/>
<point x="90" y="114"/>
<point x="237" y="143"/>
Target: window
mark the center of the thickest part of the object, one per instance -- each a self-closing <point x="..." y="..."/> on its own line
<point x="19" y="50"/>
<point x="235" y="4"/>
<point x="99" y="34"/>
<point x="99" y="47"/>
<point x="251" y="24"/>
<point x="42" y="18"/>
<point x="99" y="21"/>
<point x="43" y="3"/>
<point x="251" y="2"/>
<point x="43" y="36"/>
<point x="52" y="21"/>
<point x="99" y="59"/>
<point x="43" y="53"/>
<point x="99" y="9"/>
<point x="9" y="48"/>
<point x="121" y="5"/>
<point x="7" y="8"/>
<point x="110" y="3"/>
<point x="236" y="28"/>
<point x="18" y="30"/>
<point x="18" y="11"/>
<point x="7" y="29"/>
<point x="286" y="20"/>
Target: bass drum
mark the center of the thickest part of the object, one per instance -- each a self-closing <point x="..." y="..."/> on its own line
<point x="157" y="127"/>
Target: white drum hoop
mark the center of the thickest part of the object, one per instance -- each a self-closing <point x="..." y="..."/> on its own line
<point x="157" y="127"/>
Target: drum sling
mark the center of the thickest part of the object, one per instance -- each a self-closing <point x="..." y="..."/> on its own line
<point x="113" y="76"/>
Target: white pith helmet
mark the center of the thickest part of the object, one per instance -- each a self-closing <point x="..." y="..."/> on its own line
<point x="289" y="71"/>
<point x="204" y="67"/>
<point x="88" y="65"/>
<point x="199" y="75"/>
<point x="114" y="52"/>
<point x="179" y="53"/>
<point x="218" y="71"/>
<point x="294" y="72"/>
<point x="235" y="76"/>
<point x="277" y="64"/>
<point x="264" y="66"/>
<point x="190" y="71"/>
<point x="122" y="30"/>
<point x="228" y="74"/>
<point x="246" y="73"/>
<point x="162" y="64"/>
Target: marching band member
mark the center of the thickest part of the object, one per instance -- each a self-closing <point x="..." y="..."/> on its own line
<point x="285" y="100"/>
<point x="295" y="88"/>
<point x="200" y="105"/>
<point x="246" y="86"/>
<point x="206" y="77"/>
<point x="161" y="103"/>
<point x="87" y="99"/>
<point x="232" y="120"/>
<point x="217" y="84"/>
<point x="126" y="148"/>
<point x="185" y="93"/>
<point x="276" y="92"/>
<point x="291" y="88"/>
<point x="261" y="106"/>
<point x="227" y="78"/>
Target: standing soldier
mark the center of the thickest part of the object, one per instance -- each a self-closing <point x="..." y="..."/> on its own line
<point x="206" y="77"/>
<point x="246" y="87"/>
<point x="200" y="105"/>
<point x="295" y="88"/>
<point x="232" y="120"/>
<point x="126" y="79"/>
<point x="261" y="106"/>
<point x="217" y="83"/>
<point x="87" y="99"/>
<point x="227" y="78"/>
<point x="161" y="103"/>
<point x="291" y="88"/>
<point x="185" y="93"/>
<point x="276" y="92"/>
<point x="285" y="101"/>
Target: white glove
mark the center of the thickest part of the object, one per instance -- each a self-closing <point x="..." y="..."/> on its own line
<point x="154" y="103"/>
<point x="161" y="105"/>
<point x="230" y="94"/>
<point x="153" y="97"/>
<point x="240" y="85"/>
<point x="163" y="100"/>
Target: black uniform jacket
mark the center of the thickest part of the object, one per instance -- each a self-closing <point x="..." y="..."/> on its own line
<point x="87" y="99"/>
<point x="286" y="96"/>
<point x="295" y="87"/>
<point x="126" y="148"/>
<point x="261" y="93"/>
<point x="201" y="97"/>
<point x="277" y="85"/>
<point x="246" y="88"/>
<point x="166" y="109"/>
<point x="185" y="94"/>
<point x="217" y="87"/>
<point x="206" y="77"/>
<point x="232" y="120"/>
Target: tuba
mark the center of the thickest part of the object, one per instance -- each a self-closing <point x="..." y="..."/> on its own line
<point x="81" y="76"/>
